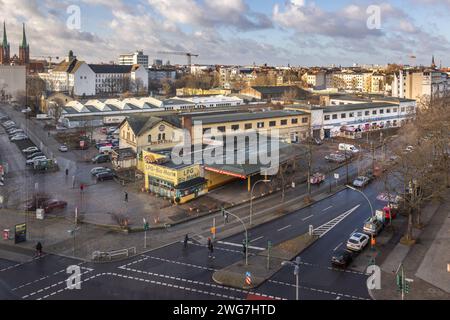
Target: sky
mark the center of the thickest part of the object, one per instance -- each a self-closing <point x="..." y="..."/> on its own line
<point x="276" y="32"/>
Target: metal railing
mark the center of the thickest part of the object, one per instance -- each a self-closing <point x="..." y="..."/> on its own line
<point x="99" y="255"/>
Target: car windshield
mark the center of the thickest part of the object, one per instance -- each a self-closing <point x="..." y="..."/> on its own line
<point x="353" y="241"/>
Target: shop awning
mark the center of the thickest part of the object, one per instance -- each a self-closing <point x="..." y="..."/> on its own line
<point x="191" y="183"/>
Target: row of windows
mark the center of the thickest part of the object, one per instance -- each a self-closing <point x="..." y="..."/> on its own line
<point x="259" y="125"/>
<point x="360" y="113"/>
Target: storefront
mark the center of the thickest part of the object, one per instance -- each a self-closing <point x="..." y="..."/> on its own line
<point x="180" y="183"/>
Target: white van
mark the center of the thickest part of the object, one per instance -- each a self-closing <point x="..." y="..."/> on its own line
<point x="105" y="149"/>
<point x="348" y="147"/>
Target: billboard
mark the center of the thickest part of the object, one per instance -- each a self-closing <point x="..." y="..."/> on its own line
<point x="20" y="234"/>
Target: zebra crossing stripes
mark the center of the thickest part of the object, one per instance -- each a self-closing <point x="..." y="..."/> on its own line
<point x="327" y="227"/>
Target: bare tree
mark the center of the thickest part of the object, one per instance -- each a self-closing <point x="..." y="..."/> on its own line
<point x="55" y="109"/>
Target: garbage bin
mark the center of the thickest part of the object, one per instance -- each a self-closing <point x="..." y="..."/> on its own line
<point x="6" y="234"/>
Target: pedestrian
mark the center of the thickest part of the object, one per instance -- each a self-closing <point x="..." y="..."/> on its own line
<point x="39" y="249"/>
<point x="126" y="197"/>
<point x="48" y="134"/>
<point x="244" y="247"/>
<point x="186" y="239"/>
<point x="209" y="247"/>
<point x="67" y="172"/>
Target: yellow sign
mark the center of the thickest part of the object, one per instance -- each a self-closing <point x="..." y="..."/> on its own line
<point x="213" y="230"/>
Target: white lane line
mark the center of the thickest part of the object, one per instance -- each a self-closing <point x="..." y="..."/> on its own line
<point x="335" y="249"/>
<point x="254" y="240"/>
<point x="284" y="228"/>
<point x="327" y="208"/>
<point x="304" y="219"/>
<point x="240" y="245"/>
<point x="327" y="227"/>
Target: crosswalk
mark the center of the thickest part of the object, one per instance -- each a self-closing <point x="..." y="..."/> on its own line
<point x="327" y="227"/>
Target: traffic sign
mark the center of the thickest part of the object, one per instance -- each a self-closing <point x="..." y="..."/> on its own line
<point x="213" y="230"/>
<point x="248" y="278"/>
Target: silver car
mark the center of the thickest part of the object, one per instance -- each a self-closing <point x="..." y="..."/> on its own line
<point x="361" y="181"/>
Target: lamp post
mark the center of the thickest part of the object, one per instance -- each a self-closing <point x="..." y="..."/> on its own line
<point x="225" y="213"/>
<point x="364" y="195"/>
<point x="251" y="198"/>
<point x="296" y="265"/>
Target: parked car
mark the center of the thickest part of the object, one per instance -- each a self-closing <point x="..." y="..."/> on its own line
<point x="53" y="204"/>
<point x="34" y="155"/>
<point x="105" y="175"/>
<point x="358" y="241"/>
<point x="105" y="149"/>
<point x="348" y="148"/>
<point x="342" y="258"/>
<point x="19" y="137"/>
<point x="26" y="110"/>
<point x="372" y="227"/>
<point x="409" y="149"/>
<point x="111" y="130"/>
<point x="30" y="205"/>
<point x="335" y="157"/>
<point x="30" y="162"/>
<point x="60" y="128"/>
<point x="63" y="148"/>
<point x="31" y="150"/>
<point x="97" y="170"/>
<point x="361" y="182"/>
<point x="101" y="158"/>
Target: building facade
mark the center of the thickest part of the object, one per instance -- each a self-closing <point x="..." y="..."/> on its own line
<point x="137" y="57"/>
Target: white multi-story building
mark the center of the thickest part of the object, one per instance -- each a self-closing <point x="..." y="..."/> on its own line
<point x="12" y="81"/>
<point x="417" y="84"/>
<point x="81" y="79"/>
<point x="134" y="58"/>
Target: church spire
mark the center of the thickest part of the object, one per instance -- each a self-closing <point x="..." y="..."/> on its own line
<point x="5" y="38"/>
<point x="24" y="38"/>
<point x="433" y="64"/>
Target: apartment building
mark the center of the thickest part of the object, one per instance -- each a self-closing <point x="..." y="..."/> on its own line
<point x="137" y="57"/>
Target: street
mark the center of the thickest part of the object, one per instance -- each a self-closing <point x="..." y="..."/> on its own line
<point x="186" y="273"/>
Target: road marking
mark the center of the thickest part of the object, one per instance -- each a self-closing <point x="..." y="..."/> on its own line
<point x="304" y="219"/>
<point x="23" y="263"/>
<point x="240" y="245"/>
<point x="317" y="290"/>
<point x="335" y="249"/>
<point x="327" y="227"/>
<point x="284" y="228"/>
<point x="254" y="240"/>
<point x="327" y="208"/>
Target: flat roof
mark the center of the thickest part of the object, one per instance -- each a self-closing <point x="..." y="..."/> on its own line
<point x="209" y="119"/>
<point x="357" y="106"/>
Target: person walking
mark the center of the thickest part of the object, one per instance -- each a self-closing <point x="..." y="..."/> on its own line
<point x="209" y="247"/>
<point x="67" y="172"/>
<point x="39" y="249"/>
<point x="126" y="197"/>
<point x="186" y="239"/>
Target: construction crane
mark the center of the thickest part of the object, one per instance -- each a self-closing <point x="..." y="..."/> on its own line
<point x="187" y="54"/>
<point x="49" y="58"/>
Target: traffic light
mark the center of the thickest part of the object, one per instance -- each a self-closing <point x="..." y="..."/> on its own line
<point x="399" y="282"/>
<point x="407" y="288"/>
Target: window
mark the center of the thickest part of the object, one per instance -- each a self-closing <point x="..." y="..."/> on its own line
<point x="272" y="123"/>
<point x="149" y="138"/>
<point x="381" y="111"/>
<point x="359" y="113"/>
<point x="248" y="126"/>
<point x="395" y="110"/>
<point x="283" y="122"/>
<point x="327" y="117"/>
<point x="235" y="127"/>
<point x="388" y="110"/>
<point x="334" y="116"/>
<point x="206" y="130"/>
<point x="374" y="112"/>
<point x="351" y="115"/>
<point x="403" y="109"/>
<point x="367" y="113"/>
<point x="304" y="120"/>
<point x="260" y="125"/>
<point x="221" y="129"/>
<point x="343" y="115"/>
<point x="294" y="121"/>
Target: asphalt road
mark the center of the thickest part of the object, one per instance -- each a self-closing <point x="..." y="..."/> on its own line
<point x="174" y="273"/>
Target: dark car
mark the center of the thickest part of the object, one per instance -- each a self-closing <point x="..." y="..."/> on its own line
<point x="101" y="158"/>
<point x="342" y="258"/>
<point x="31" y="204"/>
<point x="53" y="204"/>
<point x="105" y="175"/>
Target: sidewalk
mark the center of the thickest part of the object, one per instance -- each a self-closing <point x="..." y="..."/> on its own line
<point x="425" y="262"/>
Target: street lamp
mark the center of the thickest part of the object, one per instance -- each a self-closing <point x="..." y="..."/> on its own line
<point x="251" y="198"/>
<point x="296" y="265"/>
<point x="364" y="195"/>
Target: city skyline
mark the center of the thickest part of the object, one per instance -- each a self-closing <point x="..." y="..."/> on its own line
<point x="296" y="32"/>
